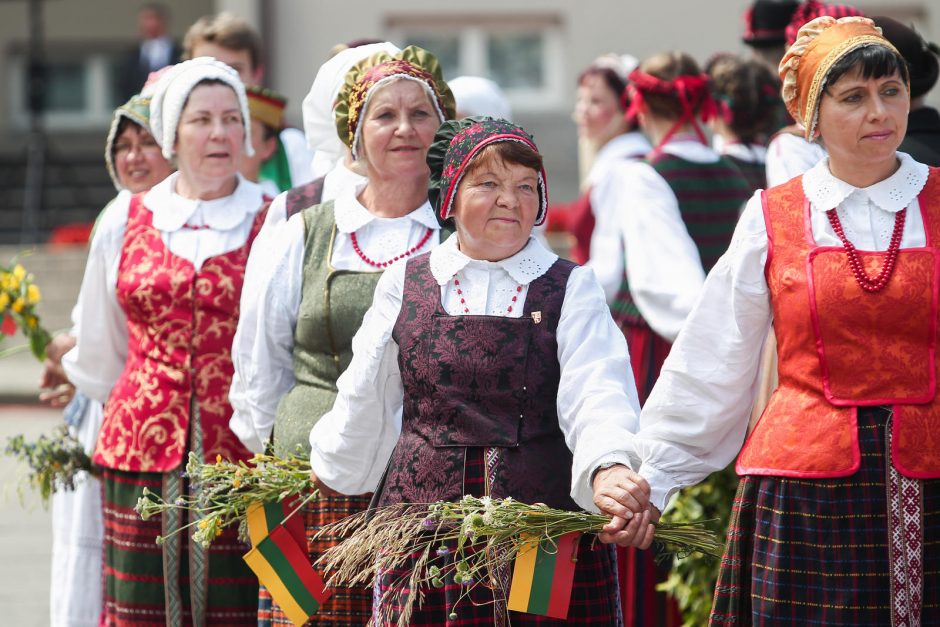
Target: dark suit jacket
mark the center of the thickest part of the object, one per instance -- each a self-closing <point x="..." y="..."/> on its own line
<point x="135" y="71"/>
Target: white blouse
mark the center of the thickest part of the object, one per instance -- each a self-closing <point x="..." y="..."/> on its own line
<point x="789" y="155"/>
<point x="264" y="342"/>
<point x="695" y="420"/>
<point x="97" y="360"/>
<point x="639" y="223"/>
<point x="266" y="252"/>
<point x="597" y="400"/>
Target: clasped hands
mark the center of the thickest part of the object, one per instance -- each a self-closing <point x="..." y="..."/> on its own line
<point x="625" y="497"/>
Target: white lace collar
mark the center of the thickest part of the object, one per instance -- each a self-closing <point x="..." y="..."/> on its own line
<point x="525" y="266"/>
<point x="896" y="192"/>
<point x="351" y="216"/>
<point x="171" y="211"/>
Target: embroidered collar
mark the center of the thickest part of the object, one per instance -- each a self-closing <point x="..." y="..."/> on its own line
<point x="525" y="266"/>
<point x="351" y="216"/>
<point x="171" y="211"/>
<point x="894" y="193"/>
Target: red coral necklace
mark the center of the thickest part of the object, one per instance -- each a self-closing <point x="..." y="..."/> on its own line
<point x="867" y="283"/>
<point x="463" y="301"/>
<point x="384" y="264"/>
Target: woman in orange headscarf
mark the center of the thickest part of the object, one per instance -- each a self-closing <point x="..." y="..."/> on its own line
<point x="837" y="517"/>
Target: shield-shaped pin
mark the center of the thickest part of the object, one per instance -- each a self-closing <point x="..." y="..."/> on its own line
<point x="536" y="316"/>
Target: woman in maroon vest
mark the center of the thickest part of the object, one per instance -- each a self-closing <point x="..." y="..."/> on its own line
<point x="159" y="306"/>
<point x="511" y="377"/>
<point x="837" y="516"/>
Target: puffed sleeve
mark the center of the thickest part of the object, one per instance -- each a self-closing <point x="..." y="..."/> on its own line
<point x="662" y="260"/>
<point x="97" y="360"/>
<point x="598" y="408"/>
<point x="352" y="443"/>
<point x="263" y="348"/>
<point x="696" y="417"/>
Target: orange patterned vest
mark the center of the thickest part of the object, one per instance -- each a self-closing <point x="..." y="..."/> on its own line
<point x="841" y="348"/>
<point x="180" y="326"/>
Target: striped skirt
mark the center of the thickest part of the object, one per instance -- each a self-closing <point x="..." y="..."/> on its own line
<point x="174" y="584"/>
<point x="816" y="552"/>
<point x="346" y="606"/>
<point x="594" y="597"/>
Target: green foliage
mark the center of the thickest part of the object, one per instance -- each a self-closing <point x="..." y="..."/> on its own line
<point x="692" y="578"/>
<point x="54" y="462"/>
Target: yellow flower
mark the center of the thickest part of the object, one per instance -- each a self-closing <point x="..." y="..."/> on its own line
<point x="33" y="295"/>
<point x="18" y="305"/>
<point x="31" y="322"/>
<point x="236" y="483"/>
<point x="4" y="301"/>
<point x="218" y="532"/>
<point x="218" y="459"/>
<point x="203" y="523"/>
<point x="5" y="278"/>
<point x="19" y="272"/>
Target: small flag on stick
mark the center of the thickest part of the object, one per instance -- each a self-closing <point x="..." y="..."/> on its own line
<point x="543" y="576"/>
<point x="264" y="517"/>
<point x="284" y="569"/>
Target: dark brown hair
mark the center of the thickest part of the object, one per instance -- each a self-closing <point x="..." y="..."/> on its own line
<point x="750" y="91"/>
<point x="507" y="152"/>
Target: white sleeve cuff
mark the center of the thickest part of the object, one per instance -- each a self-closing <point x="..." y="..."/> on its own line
<point x="662" y="485"/>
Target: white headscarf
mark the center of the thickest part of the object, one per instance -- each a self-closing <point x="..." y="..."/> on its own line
<point x="173" y="89"/>
<point x="476" y="95"/>
<point x="319" y="124"/>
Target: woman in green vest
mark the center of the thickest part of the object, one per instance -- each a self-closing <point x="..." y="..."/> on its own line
<point x="330" y="258"/>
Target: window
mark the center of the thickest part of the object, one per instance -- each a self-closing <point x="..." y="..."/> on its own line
<point x="520" y="53"/>
<point x="81" y="90"/>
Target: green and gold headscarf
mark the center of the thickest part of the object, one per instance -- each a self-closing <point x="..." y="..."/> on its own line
<point x="412" y="63"/>
<point x="136" y="110"/>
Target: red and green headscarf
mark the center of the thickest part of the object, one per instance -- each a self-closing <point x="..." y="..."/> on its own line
<point x="412" y="63"/>
<point x="457" y="143"/>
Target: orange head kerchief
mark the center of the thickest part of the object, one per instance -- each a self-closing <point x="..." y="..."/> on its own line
<point x="818" y="46"/>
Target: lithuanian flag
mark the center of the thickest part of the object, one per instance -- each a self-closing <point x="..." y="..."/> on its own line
<point x="264" y="517"/>
<point x="284" y="569"/>
<point x="543" y="576"/>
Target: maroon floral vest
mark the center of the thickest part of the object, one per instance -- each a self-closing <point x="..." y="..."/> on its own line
<point x="180" y="325"/>
<point x="479" y="381"/>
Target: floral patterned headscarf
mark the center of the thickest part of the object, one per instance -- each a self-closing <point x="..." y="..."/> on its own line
<point x="455" y="145"/>
<point x="412" y="63"/>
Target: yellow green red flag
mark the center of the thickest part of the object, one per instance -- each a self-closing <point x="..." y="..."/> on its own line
<point x="543" y="575"/>
<point x="285" y="570"/>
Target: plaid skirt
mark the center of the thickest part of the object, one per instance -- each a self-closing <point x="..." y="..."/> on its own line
<point x="816" y="552"/>
<point x="148" y="584"/>
<point x="346" y="606"/>
<point x="594" y="597"/>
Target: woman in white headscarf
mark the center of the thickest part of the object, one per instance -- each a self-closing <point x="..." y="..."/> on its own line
<point x="158" y="309"/>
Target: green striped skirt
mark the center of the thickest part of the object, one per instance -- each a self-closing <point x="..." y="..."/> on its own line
<point x="178" y="583"/>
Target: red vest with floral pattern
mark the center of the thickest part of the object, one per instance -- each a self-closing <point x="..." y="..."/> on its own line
<point x="841" y="348"/>
<point x="180" y="324"/>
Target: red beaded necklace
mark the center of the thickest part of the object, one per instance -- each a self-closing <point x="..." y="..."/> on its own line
<point x="871" y="285"/>
<point x="383" y="264"/>
<point x="463" y="301"/>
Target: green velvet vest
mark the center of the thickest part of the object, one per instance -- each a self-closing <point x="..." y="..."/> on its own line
<point x="332" y="305"/>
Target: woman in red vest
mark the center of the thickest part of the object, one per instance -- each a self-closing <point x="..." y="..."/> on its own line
<point x="837" y="516"/>
<point x="159" y="306"/>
